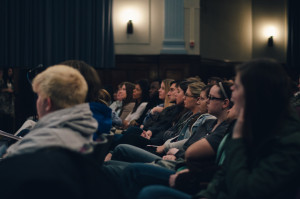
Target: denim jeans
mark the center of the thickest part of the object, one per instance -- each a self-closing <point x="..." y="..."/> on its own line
<point x="138" y="175"/>
<point x="129" y="153"/>
<point x="162" y="192"/>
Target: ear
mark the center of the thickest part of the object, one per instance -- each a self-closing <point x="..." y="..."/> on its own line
<point x="226" y="103"/>
<point x="198" y="100"/>
<point x="48" y="104"/>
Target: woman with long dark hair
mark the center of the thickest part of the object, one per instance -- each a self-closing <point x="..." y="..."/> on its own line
<point x="126" y="91"/>
<point x="141" y="97"/>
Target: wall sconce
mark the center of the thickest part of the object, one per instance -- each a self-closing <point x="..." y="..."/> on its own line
<point x="129" y="27"/>
<point x="270" y="41"/>
<point x="270" y="32"/>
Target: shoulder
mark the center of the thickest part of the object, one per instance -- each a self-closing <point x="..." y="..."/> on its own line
<point x="129" y="105"/>
<point x="206" y="116"/>
<point x="144" y="104"/>
<point x="34" y="140"/>
<point x="290" y="132"/>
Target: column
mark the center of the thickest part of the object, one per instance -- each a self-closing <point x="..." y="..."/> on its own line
<point x="174" y="28"/>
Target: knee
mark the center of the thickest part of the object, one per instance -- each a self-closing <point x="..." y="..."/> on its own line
<point x="150" y="192"/>
<point x="119" y="152"/>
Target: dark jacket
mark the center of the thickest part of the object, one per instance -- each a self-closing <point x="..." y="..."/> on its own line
<point x="272" y="173"/>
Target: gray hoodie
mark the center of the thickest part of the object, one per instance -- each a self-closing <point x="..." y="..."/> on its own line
<point x="71" y="128"/>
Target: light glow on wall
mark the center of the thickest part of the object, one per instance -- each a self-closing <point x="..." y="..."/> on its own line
<point x="138" y="11"/>
<point x="127" y="14"/>
<point x="270" y="31"/>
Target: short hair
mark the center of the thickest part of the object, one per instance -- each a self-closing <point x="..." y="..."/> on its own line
<point x="176" y="82"/>
<point x="64" y="85"/>
<point x="184" y="85"/>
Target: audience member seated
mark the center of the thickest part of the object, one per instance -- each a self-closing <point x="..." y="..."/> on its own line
<point x="163" y="94"/>
<point x="64" y="119"/>
<point x="94" y="84"/>
<point x="126" y="90"/>
<point x="262" y="158"/>
<point x="154" y="101"/>
<point x="117" y="104"/>
<point x="105" y="98"/>
<point x="141" y="97"/>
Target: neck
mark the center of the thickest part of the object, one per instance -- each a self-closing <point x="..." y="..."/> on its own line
<point x="221" y="117"/>
<point x="138" y="100"/>
<point x="195" y="110"/>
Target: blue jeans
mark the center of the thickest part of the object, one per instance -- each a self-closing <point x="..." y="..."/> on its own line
<point x="129" y="153"/>
<point x="162" y="192"/>
<point x="138" y="175"/>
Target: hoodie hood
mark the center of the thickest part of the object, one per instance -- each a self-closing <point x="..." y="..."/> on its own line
<point x="78" y="118"/>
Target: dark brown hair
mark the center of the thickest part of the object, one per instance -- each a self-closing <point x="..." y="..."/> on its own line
<point x="90" y="75"/>
<point x="266" y="91"/>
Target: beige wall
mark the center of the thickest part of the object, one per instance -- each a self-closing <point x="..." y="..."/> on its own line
<point x="154" y="44"/>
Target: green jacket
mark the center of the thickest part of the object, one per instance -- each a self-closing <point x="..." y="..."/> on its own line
<point x="273" y="173"/>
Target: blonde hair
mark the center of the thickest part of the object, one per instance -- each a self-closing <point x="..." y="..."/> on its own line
<point x="194" y="79"/>
<point x="167" y="83"/>
<point x="64" y="85"/>
<point x="196" y="88"/>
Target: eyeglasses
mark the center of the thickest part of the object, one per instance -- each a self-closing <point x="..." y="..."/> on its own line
<point x="187" y="95"/>
<point x="215" y="98"/>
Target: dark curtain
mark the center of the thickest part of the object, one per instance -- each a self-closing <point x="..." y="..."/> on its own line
<point x="47" y="32"/>
<point x="293" y="51"/>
